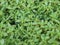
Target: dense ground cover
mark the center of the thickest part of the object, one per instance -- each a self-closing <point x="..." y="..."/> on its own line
<point x="29" y="22"/>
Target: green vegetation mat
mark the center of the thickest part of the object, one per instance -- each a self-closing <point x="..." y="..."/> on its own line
<point x="29" y="22"/>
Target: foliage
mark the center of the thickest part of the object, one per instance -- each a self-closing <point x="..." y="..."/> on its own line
<point x="29" y="22"/>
